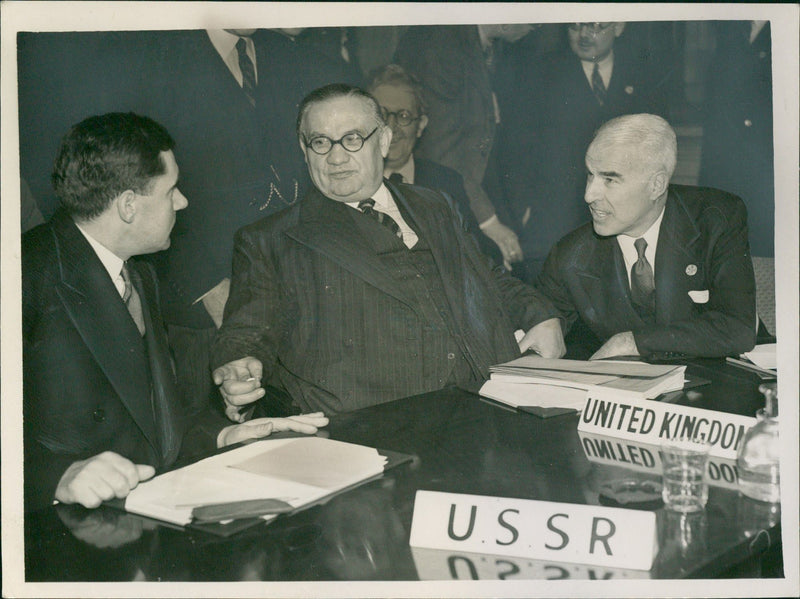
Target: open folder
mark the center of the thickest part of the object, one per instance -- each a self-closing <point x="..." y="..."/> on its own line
<point x="264" y="478"/>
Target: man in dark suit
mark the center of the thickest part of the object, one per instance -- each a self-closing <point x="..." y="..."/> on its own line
<point x="455" y="64"/>
<point x="365" y="291"/>
<point x="737" y="128"/>
<point x="662" y="269"/>
<point x="571" y="93"/>
<point x="100" y="406"/>
<point x="400" y="97"/>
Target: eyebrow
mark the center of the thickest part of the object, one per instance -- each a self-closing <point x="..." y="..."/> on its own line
<point x="613" y="174"/>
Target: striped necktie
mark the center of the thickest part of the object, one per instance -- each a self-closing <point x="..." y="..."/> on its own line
<point x="368" y="208"/>
<point x="132" y="300"/>
<point x="248" y="71"/>
<point x="598" y="87"/>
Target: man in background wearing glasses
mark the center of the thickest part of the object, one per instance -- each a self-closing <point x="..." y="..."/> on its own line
<point x="400" y="97"/>
<point x="365" y="291"/>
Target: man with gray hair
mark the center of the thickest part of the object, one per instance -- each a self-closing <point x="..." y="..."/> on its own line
<point x="663" y="271"/>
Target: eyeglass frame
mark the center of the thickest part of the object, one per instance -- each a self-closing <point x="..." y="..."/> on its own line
<point x="594" y="28"/>
<point x="339" y="141"/>
<point x="386" y="114"/>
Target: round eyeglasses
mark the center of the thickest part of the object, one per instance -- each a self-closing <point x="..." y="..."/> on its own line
<point x="352" y="142"/>
<point x="591" y="27"/>
<point x="401" y="117"/>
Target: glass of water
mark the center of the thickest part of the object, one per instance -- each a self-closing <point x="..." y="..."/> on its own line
<point x="684" y="461"/>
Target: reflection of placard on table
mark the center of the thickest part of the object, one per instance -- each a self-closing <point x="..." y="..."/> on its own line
<point x="641" y="457"/>
<point x="618" y="415"/>
<point x="437" y="564"/>
<point x="541" y="530"/>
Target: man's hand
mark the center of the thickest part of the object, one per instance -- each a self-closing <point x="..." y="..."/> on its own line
<point x="505" y="239"/>
<point x="239" y="383"/>
<point x="546" y="339"/>
<point x="262" y="427"/>
<point x="101" y="477"/>
<point x="621" y="344"/>
<point x="214" y="301"/>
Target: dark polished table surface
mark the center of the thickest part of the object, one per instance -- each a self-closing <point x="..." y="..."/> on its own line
<point x="460" y="444"/>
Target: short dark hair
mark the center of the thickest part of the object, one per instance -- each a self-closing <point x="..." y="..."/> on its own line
<point x="394" y="74"/>
<point x="105" y="155"/>
<point x="335" y="90"/>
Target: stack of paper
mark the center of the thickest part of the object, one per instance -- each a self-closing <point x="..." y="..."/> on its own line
<point x="542" y="382"/>
<point x="298" y="471"/>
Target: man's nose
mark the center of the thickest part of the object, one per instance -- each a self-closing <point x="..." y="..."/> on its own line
<point x="338" y="154"/>
<point x="593" y="190"/>
<point x="179" y="200"/>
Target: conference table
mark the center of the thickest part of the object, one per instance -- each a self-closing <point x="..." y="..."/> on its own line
<point x="458" y="442"/>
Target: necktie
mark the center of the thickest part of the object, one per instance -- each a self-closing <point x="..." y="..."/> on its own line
<point x="396" y="178"/>
<point x="598" y="87"/>
<point x="642" y="282"/>
<point x="368" y="208"/>
<point x="132" y="300"/>
<point x="248" y="71"/>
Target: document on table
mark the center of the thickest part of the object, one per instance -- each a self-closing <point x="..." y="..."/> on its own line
<point x="298" y="471"/>
<point x="764" y="355"/>
<point x="526" y="394"/>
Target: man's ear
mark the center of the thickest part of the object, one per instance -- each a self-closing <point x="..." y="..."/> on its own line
<point x="126" y="205"/>
<point x="423" y="122"/>
<point x="618" y="29"/>
<point x="385" y="140"/>
<point x="659" y="183"/>
<point x="303" y="148"/>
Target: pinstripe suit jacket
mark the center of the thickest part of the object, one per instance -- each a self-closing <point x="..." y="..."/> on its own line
<point x="311" y="299"/>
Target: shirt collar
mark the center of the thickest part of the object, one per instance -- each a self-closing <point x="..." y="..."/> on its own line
<point x="383" y="199"/>
<point x="406" y="171"/>
<point x="650" y="236"/>
<point x="224" y="42"/>
<point x="605" y="67"/>
<point x="111" y="262"/>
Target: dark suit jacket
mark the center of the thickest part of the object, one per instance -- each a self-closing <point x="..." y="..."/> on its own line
<point x="87" y="371"/>
<point x="311" y="298"/>
<point x="436" y="176"/>
<point x="702" y="247"/>
<point x="238" y="163"/>
<point x="737" y="130"/>
<point x="449" y="62"/>
<point x="544" y="162"/>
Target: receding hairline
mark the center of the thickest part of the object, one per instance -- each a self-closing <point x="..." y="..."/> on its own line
<point x="370" y="104"/>
<point x="651" y="139"/>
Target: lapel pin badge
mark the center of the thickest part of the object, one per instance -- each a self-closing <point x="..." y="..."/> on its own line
<point x="629" y="89"/>
<point x="691" y="270"/>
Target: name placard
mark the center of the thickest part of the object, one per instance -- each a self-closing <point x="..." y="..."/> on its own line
<point x="541" y="530"/>
<point x="641" y="457"/>
<point x="611" y="413"/>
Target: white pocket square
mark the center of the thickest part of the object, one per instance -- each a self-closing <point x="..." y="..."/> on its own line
<point x="699" y="296"/>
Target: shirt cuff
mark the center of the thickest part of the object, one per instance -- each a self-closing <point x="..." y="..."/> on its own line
<point x="489" y="222"/>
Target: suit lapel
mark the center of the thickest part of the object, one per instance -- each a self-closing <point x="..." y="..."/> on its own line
<point x="676" y="266"/>
<point x="605" y="283"/>
<point x="164" y="392"/>
<point x="327" y="227"/>
<point x="96" y="309"/>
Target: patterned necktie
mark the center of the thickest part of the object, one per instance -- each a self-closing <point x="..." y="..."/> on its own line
<point x="642" y="282"/>
<point x="368" y="208"/>
<point x="598" y="87"/>
<point x="248" y="71"/>
<point x="132" y="300"/>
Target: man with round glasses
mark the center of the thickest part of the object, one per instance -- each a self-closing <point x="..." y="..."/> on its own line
<point x="364" y="291"/>
<point x="401" y="99"/>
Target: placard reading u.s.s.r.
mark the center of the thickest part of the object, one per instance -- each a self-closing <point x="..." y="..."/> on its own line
<point x="543" y="530"/>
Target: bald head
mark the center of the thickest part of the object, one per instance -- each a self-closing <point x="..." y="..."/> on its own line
<point x="648" y="138"/>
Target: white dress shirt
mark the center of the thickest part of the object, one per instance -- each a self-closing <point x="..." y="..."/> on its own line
<point x="111" y="262"/>
<point x="629" y="252"/>
<point x="225" y="45"/>
<point x="605" y="67"/>
<point x="384" y="202"/>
